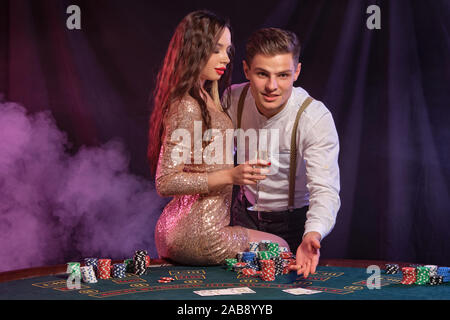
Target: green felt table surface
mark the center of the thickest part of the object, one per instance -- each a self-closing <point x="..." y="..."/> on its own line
<point x="342" y="283"/>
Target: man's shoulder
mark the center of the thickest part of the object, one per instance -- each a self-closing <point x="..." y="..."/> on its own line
<point x="235" y="92"/>
<point x="237" y="88"/>
<point x="316" y="108"/>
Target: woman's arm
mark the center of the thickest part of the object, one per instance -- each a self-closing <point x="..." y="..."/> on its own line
<point x="178" y="149"/>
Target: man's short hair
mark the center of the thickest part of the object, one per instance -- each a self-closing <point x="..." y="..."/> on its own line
<point x="270" y="42"/>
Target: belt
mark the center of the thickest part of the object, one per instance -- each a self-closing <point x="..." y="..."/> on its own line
<point x="275" y="216"/>
<point x="271" y="216"/>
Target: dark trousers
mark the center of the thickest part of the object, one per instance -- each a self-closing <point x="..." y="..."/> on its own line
<point x="287" y="225"/>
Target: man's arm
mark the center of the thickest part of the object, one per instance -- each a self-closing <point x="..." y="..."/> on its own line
<point x="320" y="152"/>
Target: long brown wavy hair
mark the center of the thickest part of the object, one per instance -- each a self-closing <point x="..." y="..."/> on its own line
<point x="189" y="50"/>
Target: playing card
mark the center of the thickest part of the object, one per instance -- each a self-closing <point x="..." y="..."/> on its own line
<point x="298" y="291"/>
<point x="229" y="291"/>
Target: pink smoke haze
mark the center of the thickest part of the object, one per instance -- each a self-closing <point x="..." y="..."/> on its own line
<point x="56" y="207"/>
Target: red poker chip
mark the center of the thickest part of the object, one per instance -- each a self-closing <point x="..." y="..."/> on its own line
<point x="240" y="264"/>
<point x="164" y="281"/>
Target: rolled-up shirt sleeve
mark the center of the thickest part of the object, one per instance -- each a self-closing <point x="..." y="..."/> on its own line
<point x="173" y="174"/>
<point x="320" y="153"/>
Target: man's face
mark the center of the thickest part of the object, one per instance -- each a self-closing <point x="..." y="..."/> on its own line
<point x="271" y="81"/>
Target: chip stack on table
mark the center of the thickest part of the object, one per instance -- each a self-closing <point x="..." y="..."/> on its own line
<point x="249" y="258"/>
<point x="274" y="249"/>
<point x="88" y="274"/>
<point x="409" y="275"/>
<point x="139" y="262"/>
<point x="444" y="272"/>
<point x="263" y="245"/>
<point x="287" y="261"/>
<point x="91" y="262"/>
<point x="264" y="255"/>
<point x="119" y="270"/>
<point x="250" y="272"/>
<point x="392" y="268"/>
<point x="268" y="270"/>
<point x="274" y="259"/>
<point x="279" y="266"/>
<point x="73" y="268"/>
<point x="432" y="269"/>
<point x="129" y="265"/>
<point x="166" y="279"/>
<point x="422" y="275"/>
<point x="230" y="263"/>
<point x="104" y="268"/>
<point x="436" y="280"/>
<point x="239" y="266"/>
<point x="253" y="246"/>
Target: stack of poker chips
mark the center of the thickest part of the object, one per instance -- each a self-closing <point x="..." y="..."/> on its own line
<point x="287" y="261"/>
<point x="264" y="255"/>
<point x="165" y="279"/>
<point x="422" y="275"/>
<point x="88" y="274"/>
<point x="251" y="263"/>
<point x="250" y="272"/>
<point x="253" y="246"/>
<point x="104" y="268"/>
<point x="118" y="270"/>
<point x="436" y="280"/>
<point x="392" y="268"/>
<point x="409" y="275"/>
<point x="230" y="263"/>
<point x="279" y="266"/>
<point x="129" y="265"/>
<point x="444" y="272"/>
<point x="91" y="262"/>
<point x="250" y="259"/>
<point x="273" y="248"/>
<point x="239" y="266"/>
<point x="268" y="270"/>
<point x="73" y="268"/>
<point x="139" y="262"/>
<point x="433" y="269"/>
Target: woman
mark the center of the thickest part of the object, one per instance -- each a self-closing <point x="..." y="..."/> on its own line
<point x="194" y="226"/>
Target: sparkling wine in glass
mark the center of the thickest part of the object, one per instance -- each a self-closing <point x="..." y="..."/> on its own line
<point x="260" y="155"/>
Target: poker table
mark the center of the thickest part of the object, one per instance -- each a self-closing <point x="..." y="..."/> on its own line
<point x="333" y="280"/>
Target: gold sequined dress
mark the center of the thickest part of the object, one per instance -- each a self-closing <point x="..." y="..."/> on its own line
<point x="194" y="226"/>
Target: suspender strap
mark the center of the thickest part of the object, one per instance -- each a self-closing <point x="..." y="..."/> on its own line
<point x="293" y="158"/>
<point x="241" y="104"/>
<point x="293" y="163"/>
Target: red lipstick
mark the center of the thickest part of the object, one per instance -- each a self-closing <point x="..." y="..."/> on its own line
<point x="220" y="71"/>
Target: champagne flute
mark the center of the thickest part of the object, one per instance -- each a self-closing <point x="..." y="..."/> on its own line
<point x="261" y="155"/>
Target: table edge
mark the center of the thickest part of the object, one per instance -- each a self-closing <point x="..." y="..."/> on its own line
<point x="20" y="274"/>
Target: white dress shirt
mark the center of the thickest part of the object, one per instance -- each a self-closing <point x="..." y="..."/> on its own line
<point x="317" y="173"/>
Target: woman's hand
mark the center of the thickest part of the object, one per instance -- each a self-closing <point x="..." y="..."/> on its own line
<point x="246" y="173"/>
<point x="239" y="175"/>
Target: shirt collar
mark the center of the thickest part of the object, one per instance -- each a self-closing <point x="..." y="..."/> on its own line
<point x="263" y="119"/>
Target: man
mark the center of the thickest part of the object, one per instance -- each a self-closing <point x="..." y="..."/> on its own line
<point x="307" y="216"/>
